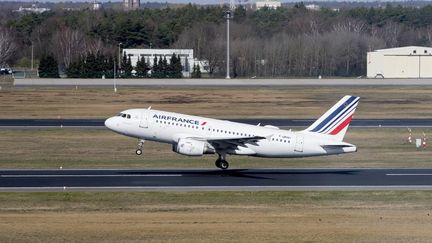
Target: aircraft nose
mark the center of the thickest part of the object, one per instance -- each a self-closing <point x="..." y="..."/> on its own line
<point x="109" y="123"/>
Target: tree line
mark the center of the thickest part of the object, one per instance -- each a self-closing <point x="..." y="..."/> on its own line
<point x="285" y="42"/>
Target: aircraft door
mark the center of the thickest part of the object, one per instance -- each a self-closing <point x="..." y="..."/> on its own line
<point x="144" y="119"/>
<point x="299" y="143"/>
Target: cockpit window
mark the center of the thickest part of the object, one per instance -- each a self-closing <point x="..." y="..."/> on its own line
<point x="128" y="116"/>
<point x="124" y="115"/>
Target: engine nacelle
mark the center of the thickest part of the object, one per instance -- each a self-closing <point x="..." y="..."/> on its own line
<point x="192" y="147"/>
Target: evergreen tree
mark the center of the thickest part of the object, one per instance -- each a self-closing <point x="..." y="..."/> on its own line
<point x="109" y="67"/>
<point x="48" y="67"/>
<point x="193" y="73"/>
<point x="164" y="68"/>
<point x="128" y="68"/>
<point x="175" y="68"/>
<point x="178" y="68"/>
<point x="99" y="65"/>
<point x="90" y="66"/>
<point x="75" y="69"/>
<point x="170" y="68"/>
<point x="198" y="71"/>
<point x="155" y="69"/>
<point x="142" y="68"/>
<point x="123" y="65"/>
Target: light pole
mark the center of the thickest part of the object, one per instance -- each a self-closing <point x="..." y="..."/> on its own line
<point x="228" y="16"/>
<point x="115" y="85"/>
<point x="32" y="52"/>
<point x="119" y="54"/>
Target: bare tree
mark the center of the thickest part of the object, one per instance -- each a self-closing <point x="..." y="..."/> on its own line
<point x="350" y="25"/>
<point x="7" y="46"/>
<point x="390" y="33"/>
<point x="69" y="44"/>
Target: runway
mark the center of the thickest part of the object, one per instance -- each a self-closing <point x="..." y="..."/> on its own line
<point x="214" y="82"/>
<point x="216" y="180"/>
<point x="285" y="123"/>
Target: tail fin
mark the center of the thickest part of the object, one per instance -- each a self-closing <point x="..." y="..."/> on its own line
<point x="335" y="121"/>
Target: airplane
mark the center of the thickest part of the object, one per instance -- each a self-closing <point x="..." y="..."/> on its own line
<point x="197" y="136"/>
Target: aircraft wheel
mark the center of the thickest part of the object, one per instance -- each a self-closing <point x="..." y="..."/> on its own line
<point x="138" y="152"/>
<point x="218" y="163"/>
<point x="224" y="164"/>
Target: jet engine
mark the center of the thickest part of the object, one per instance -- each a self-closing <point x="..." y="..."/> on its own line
<point x="192" y="147"/>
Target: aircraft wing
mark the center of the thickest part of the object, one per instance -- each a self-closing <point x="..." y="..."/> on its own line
<point x="336" y="145"/>
<point x="229" y="143"/>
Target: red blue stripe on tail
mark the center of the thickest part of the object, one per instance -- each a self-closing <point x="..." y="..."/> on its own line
<point x="336" y="120"/>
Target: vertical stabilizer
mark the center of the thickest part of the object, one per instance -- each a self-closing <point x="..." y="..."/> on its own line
<point x="335" y="121"/>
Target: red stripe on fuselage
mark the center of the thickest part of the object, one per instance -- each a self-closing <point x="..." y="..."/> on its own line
<point x="341" y="126"/>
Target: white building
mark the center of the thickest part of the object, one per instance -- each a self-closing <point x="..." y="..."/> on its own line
<point x="186" y="58"/>
<point x="33" y="9"/>
<point x="268" y="4"/>
<point x="131" y="4"/>
<point x="97" y="5"/>
<point x="313" y="7"/>
<point x="401" y="62"/>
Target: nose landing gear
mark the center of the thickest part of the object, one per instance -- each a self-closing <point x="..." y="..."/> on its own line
<point x="140" y="145"/>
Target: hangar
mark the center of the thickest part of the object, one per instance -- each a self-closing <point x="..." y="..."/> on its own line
<point x="401" y="62"/>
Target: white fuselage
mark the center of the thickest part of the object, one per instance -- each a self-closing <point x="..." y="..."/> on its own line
<point x="169" y="127"/>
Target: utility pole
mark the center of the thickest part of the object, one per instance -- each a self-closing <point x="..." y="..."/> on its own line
<point x="32" y="56"/>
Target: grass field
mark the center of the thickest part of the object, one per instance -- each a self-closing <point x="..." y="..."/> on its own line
<point x="100" y="148"/>
<point x="235" y="102"/>
<point x="359" y="216"/>
<point x="392" y="216"/>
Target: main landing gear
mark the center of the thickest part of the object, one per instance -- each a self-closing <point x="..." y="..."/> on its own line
<point x="140" y="145"/>
<point x="221" y="162"/>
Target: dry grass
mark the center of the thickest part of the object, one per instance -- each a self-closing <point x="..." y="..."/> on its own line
<point x="76" y="148"/>
<point x="288" y="102"/>
<point x="217" y="217"/>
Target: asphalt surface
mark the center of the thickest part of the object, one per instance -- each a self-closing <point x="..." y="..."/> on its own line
<point x="241" y="82"/>
<point x="94" y="123"/>
<point x="215" y="179"/>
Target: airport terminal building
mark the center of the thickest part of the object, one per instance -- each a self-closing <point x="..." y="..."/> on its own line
<point x="186" y="58"/>
<point x="401" y="62"/>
